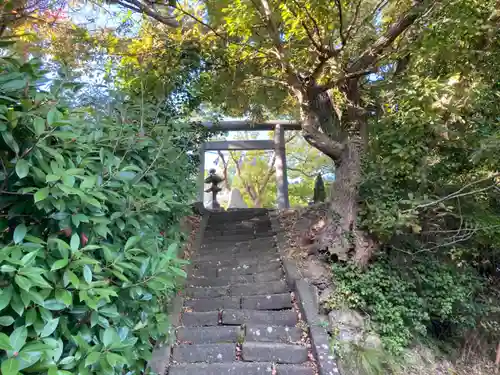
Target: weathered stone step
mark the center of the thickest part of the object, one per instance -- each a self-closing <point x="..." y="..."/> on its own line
<point x="219" y="291"/>
<point x="199" y="281"/>
<point x="272" y="318"/>
<point x="209" y="335"/>
<point x="248" y="269"/>
<point x="212" y="304"/>
<point x="215" y="260"/>
<point x="239" y="368"/>
<point x="238" y="290"/>
<point x="235" y="368"/>
<point x="273" y="352"/>
<point x="267" y="302"/>
<point x="207" y="353"/>
<point x="271" y="287"/>
<point x="221" y="281"/>
<point x="199" y="319"/>
<point x="266" y="333"/>
<point x="228" y="238"/>
<point x="295" y="370"/>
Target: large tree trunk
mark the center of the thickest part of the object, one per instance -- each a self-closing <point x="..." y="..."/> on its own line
<point x="345" y="145"/>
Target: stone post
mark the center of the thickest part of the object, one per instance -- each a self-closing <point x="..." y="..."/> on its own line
<point x="281" y="174"/>
<point x="201" y="176"/>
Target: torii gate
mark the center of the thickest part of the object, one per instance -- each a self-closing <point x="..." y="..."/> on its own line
<point x="277" y="144"/>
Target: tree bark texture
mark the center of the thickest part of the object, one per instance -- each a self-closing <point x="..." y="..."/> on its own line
<point x="343" y="138"/>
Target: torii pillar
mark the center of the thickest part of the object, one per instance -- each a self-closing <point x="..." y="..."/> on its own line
<point x="281" y="175"/>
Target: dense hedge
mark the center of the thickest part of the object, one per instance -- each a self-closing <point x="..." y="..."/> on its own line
<point x="90" y="203"/>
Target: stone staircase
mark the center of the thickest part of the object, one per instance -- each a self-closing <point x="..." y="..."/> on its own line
<point x="238" y="316"/>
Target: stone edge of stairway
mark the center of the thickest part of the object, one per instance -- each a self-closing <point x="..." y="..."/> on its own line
<point x="320" y="339"/>
<point x="160" y="359"/>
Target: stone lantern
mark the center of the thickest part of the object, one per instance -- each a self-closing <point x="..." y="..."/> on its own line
<point x="214" y="180"/>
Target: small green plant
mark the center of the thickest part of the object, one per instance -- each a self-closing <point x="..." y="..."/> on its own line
<point x="360" y="360"/>
<point x="409" y="300"/>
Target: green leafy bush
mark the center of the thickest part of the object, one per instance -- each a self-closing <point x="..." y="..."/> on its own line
<point x="411" y="298"/>
<point x="90" y="203"/>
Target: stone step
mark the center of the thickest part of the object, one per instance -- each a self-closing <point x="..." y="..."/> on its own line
<point x="228" y="238"/>
<point x="239" y="368"/>
<point x="207" y="353"/>
<point x="295" y="370"/>
<point x="248" y="269"/>
<point x="212" y="304"/>
<point x="209" y="335"/>
<point x="272" y="318"/>
<point x="230" y="259"/>
<point x="220" y="281"/>
<point x="234" y="368"/>
<point x="238" y="290"/>
<point x="215" y="260"/>
<point x="199" y="319"/>
<point x="271" y="287"/>
<point x="273" y="352"/>
<point x="219" y="291"/>
<point x="280" y="301"/>
<point x="266" y="333"/>
<point x="264" y="277"/>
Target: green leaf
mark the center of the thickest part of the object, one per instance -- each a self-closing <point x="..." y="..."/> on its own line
<point x="61" y="263"/>
<point x="18" y="338"/>
<point x="92" y="201"/>
<point x="39" y="126"/>
<point x="75" y="242"/>
<point x="6" y="320"/>
<point x="9" y="141"/>
<point x="172" y="250"/>
<point x="28" y="258"/>
<point x="53" y="116"/>
<point x="19" y="233"/>
<point x="5" y="342"/>
<point x="92" y="358"/>
<point x="7" y="268"/>
<point x="23" y="282"/>
<point x="30" y="317"/>
<point x="87" y="274"/>
<point x="88" y="182"/>
<point x="42" y="194"/>
<point x="73" y="279"/>
<point x="35" y="346"/>
<point x="49" y="328"/>
<point x="52" y="178"/>
<point x="64" y="296"/>
<point x="22" y="168"/>
<point x="53" y="304"/>
<point x="132" y="241"/>
<point x="5" y="296"/>
<point x="10" y="366"/>
<point x="109" y="337"/>
<point x="115" y="359"/>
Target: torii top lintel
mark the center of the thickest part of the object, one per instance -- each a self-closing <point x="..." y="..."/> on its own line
<point x="242" y="125"/>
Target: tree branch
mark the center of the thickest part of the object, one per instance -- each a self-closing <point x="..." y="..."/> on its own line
<point x="341" y="23"/>
<point x="316" y="45"/>
<point x="269" y="173"/>
<point x="369" y="56"/>
<point x="267" y="16"/>
<point x="345" y="77"/>
<point x="459" y="192"/>
<point x="143" y="8"/>
<point x="354" y="20"/>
